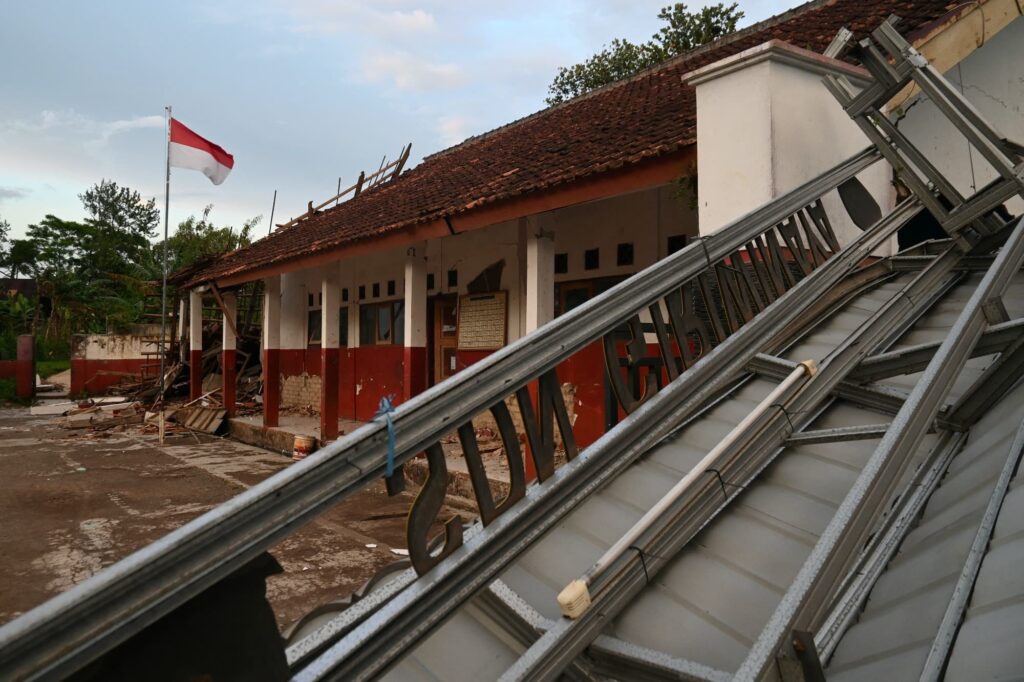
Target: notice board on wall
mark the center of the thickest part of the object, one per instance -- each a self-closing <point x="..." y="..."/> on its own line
<point x="483" y="320"/>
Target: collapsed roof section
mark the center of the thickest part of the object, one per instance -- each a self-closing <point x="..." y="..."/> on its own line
<point x="620" y="128"/>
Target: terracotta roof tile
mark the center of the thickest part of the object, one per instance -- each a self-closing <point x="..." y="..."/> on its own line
<point x="645" y="116"/>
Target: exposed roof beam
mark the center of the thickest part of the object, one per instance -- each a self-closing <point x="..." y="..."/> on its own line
<point x="873" y="396"/>
<point x="989" y="388"/>
<point x="915" y="358"/>
<point x="838" y="434"/>
<point x="912" y="263"/>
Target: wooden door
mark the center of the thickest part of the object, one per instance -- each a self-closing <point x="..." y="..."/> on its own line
<point x="446" y="336"/>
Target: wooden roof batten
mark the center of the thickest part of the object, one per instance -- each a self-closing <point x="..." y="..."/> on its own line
<point x="383" y="174"/>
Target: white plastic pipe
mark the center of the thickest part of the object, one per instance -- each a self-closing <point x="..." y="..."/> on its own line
<point x="574" y="599"/>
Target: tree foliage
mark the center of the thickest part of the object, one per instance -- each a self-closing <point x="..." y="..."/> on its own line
<point x="198" y="239"/>
<point x="5" y="244"/>
<point x="94" y="274"/>
<point x="684" y="31"/>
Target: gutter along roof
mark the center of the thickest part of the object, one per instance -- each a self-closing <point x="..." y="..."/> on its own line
<point x="618" y="130"/>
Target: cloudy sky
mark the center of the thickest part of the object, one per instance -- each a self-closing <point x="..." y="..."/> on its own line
<point x="300" y="91"/>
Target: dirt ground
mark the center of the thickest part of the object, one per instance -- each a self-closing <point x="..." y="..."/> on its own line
<point x="72" y="503"/>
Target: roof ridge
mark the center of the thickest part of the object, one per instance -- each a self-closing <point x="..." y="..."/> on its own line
<point x="643" y="73"/>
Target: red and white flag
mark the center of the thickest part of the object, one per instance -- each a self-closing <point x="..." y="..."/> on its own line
<point x="188" y="150"/>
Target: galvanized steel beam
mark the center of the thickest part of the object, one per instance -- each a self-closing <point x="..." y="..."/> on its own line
<point x="747" y="457"/>
<point x="838" y="435"/>
<point x="807" y="599"/>
<point x="884" y="399"/>
<point x="989" y="388"/>
<point x="884" y="543"/>
<point x="913" y="359"/>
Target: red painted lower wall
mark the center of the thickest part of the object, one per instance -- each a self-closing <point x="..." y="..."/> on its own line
<point x="585" y="371"/>
<point x="366" y="375"/>
<point x="89" y="377"/>
<point x="379" y="371"/>
<point x="8" y="369"/>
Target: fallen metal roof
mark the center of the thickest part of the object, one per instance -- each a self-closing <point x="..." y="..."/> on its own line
<point x="740" y="516"/>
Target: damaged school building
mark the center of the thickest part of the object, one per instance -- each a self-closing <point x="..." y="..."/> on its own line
<point x="417" y="278"/>
<point x="817" y="370"/>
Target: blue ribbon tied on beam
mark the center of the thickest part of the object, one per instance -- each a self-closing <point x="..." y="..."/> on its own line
<point x="384" y="411"/>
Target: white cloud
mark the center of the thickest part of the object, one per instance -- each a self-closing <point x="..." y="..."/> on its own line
<point x="354" y="16"/>
<point x="108" y="130"/>
<point x="88" y="131"/>
<point x="13" y="193"/>
<point x="454" y="129"/>
<point x="409" y="72"/>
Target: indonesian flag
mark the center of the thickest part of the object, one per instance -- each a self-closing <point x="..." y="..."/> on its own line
<point x="188" y="150"/>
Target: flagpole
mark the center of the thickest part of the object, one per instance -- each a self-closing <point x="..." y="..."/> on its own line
<point x="163" y="293"/>
<point x="270" y="227"/>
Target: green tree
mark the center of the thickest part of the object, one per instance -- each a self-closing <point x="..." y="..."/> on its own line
<point x="5" y="244"/>
<point x="121" y="223"/>
<point x="198" y="239"/>
<point x="20" y="259"/>
<point x="622" y="58"/>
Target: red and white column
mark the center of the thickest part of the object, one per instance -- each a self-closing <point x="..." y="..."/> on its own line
<point x="229" y="345"/>
<point x="271" y="350"/>
<point x="414" y="379"/>
<point x="195" y="344"/>
<point x="330" y="353"/>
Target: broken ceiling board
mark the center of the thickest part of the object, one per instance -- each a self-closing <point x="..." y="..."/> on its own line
<point x="482" y="321"/>
<point x="205" y="419"/>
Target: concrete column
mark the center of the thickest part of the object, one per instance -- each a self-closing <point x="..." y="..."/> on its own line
<point x="195" y="344"/>
<point x="182" y="321"/>
<point x="271" y="350"/>
<point x="540" y="294"/>
<point x="229" y="345"/>
<point x="353" y="322"/>
<point x="330" y="355"/>
<point x="540" y="275"/>
<point x="415" y="369"/>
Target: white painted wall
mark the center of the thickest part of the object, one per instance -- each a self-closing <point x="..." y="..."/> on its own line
<point x="646" y="219"/>
<point x="113" y="347"/>
<point x="734" y="145"/>
<point x="766" y="124"/>
<point x="294" y="286"/>
<point x="991" y="78"/>
<point x="469" y="253"/>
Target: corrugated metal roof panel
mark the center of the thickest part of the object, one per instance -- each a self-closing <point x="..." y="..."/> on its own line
<point x="710" y="602"/>
<point x="735" y="572"/>
<point x="895" y="632"/>
<point x="988" y="645"/>
<point x="468" y="648"/>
